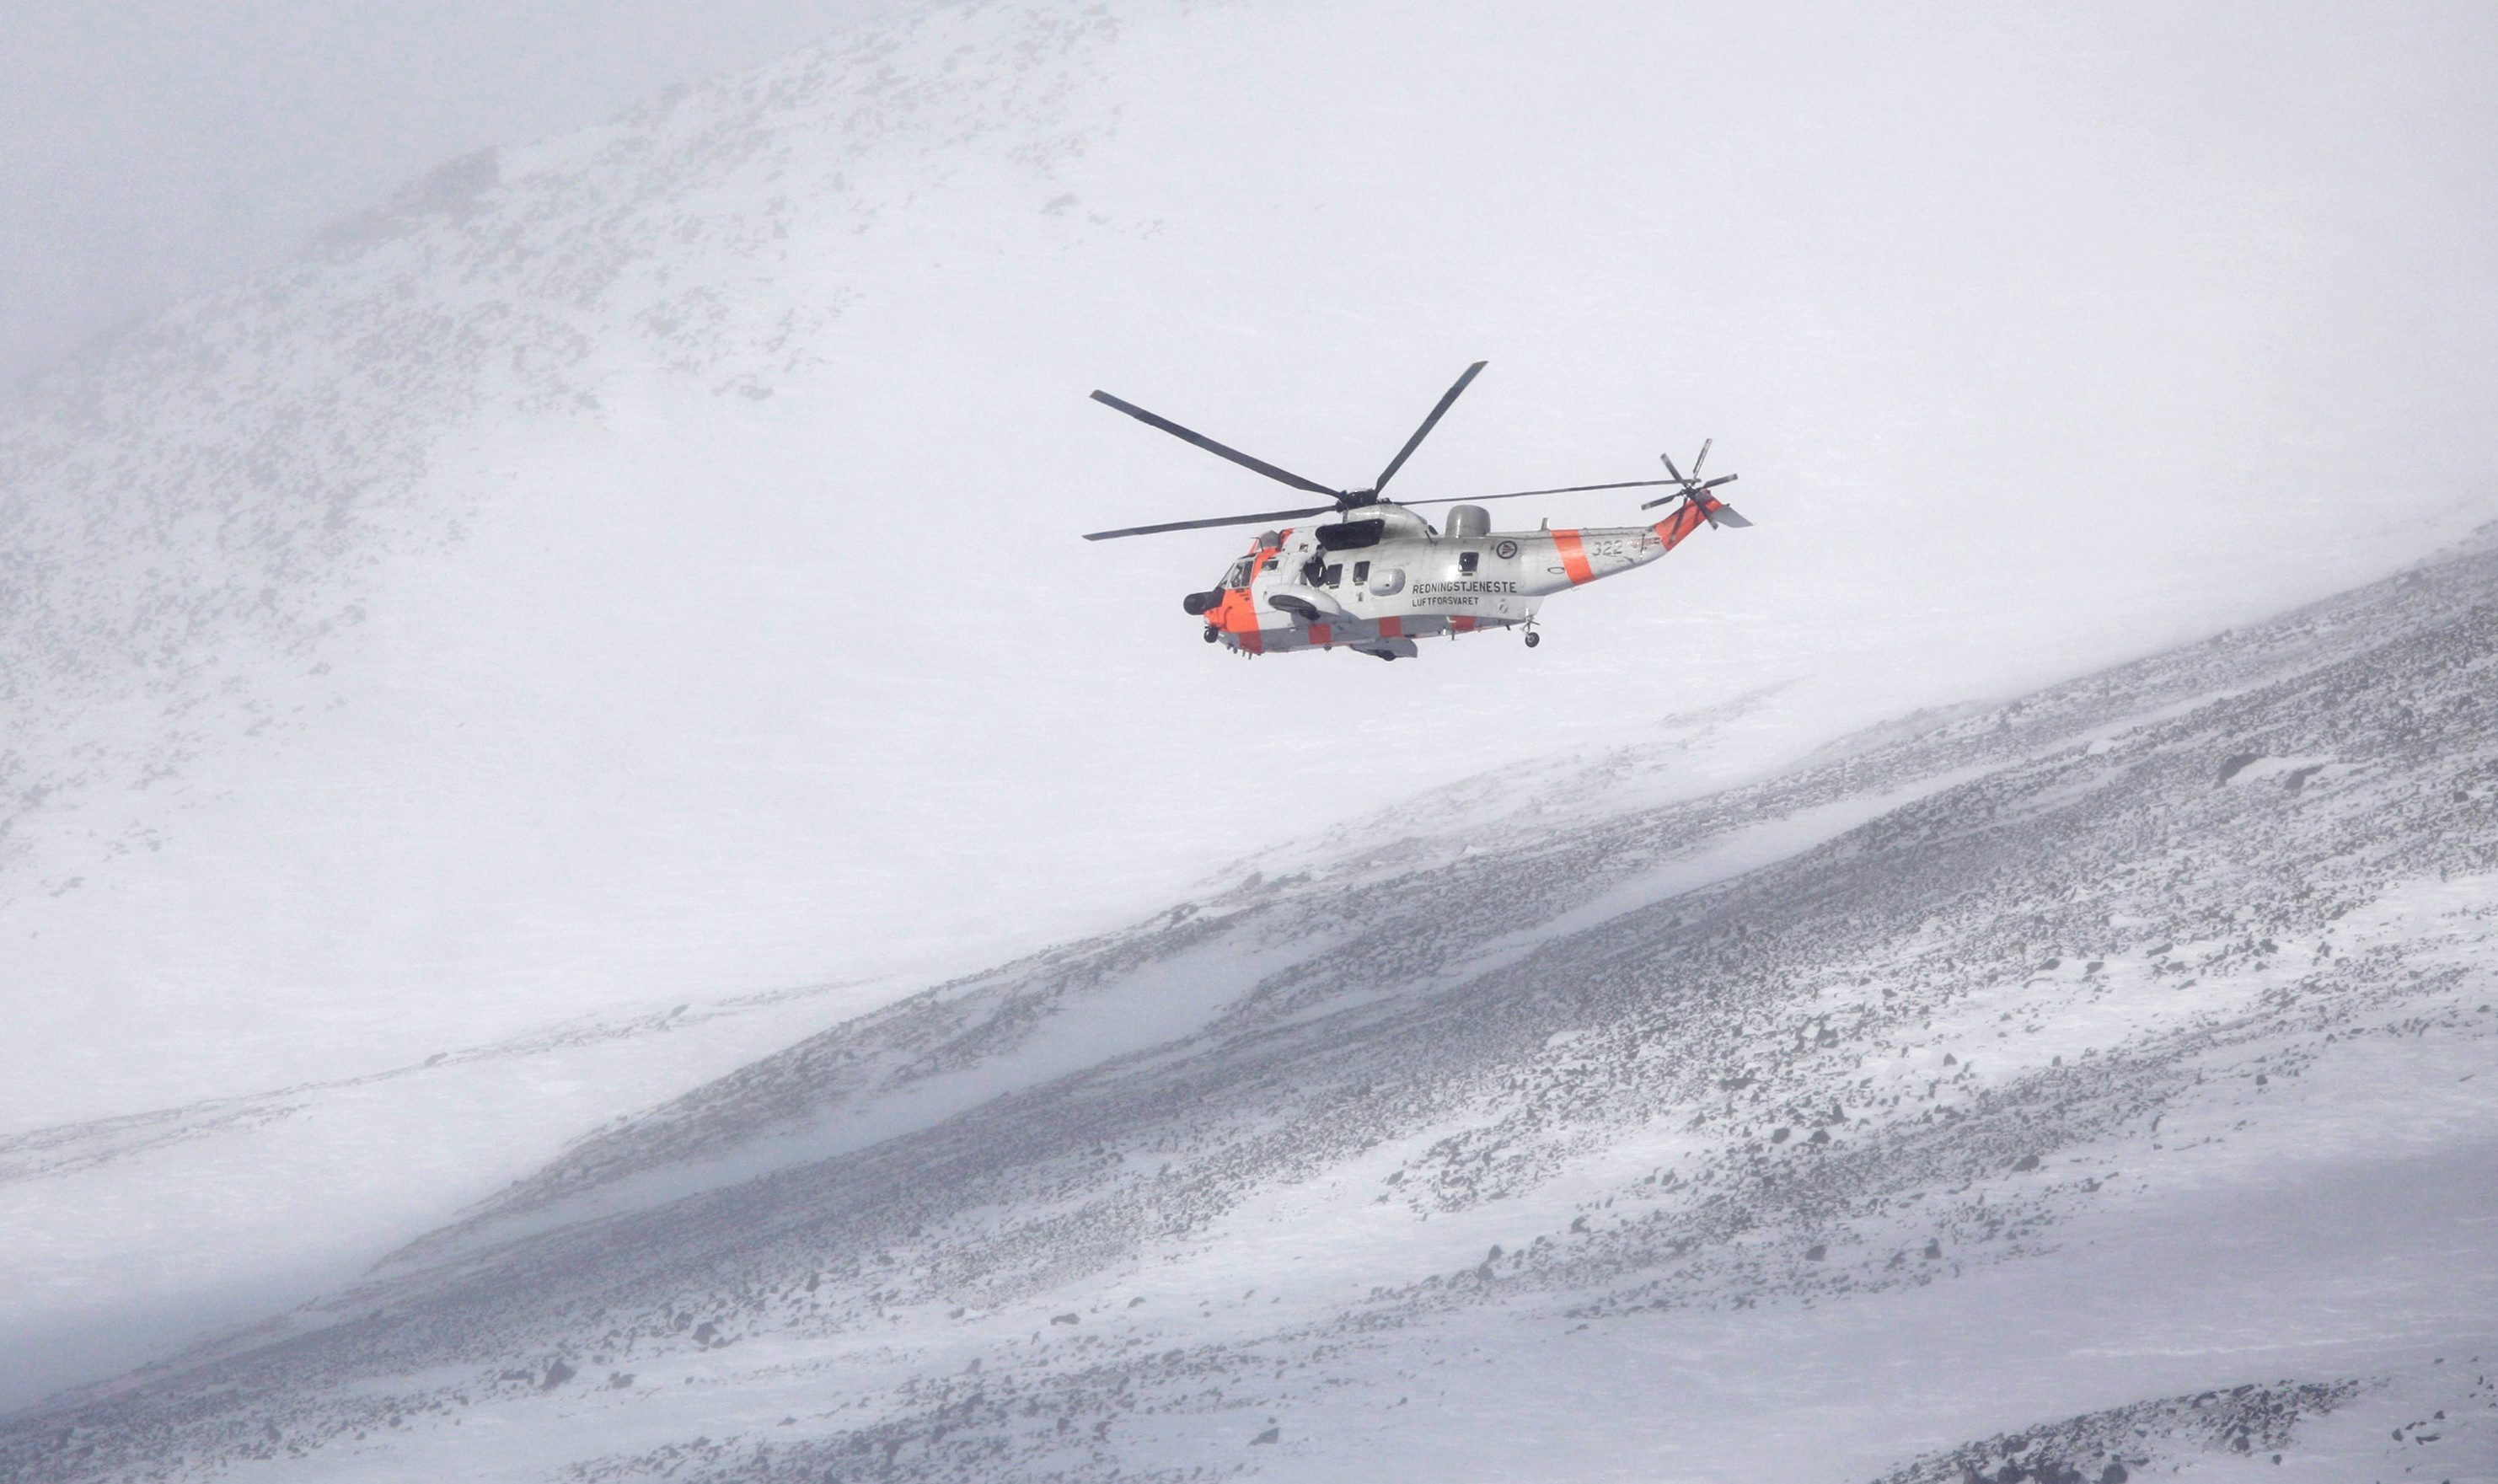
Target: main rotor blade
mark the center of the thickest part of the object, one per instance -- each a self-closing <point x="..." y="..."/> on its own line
<point x="1669" y="467"/>
<point x="1428" y="422"/>
<point x="1567" y="488"/>
<point x="1703" y="459"/>
<point x="1693" y="492"/>
<point x="1221" y="520"/>
<point x="1150" y="420"/>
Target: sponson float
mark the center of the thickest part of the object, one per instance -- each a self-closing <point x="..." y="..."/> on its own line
<point x="1373" y="577"/>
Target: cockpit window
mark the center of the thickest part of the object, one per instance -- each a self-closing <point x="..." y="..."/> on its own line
<point x="1238" y="576"/>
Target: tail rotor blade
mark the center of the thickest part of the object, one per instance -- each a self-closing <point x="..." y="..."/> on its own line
<point x="1186" y="435"/>
<point x="1696" y="491"/>
<point x="1691" y="492"/>
<point x="1428" y="422"/>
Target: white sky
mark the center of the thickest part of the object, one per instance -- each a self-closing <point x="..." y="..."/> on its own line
<point x="150" y="149"/>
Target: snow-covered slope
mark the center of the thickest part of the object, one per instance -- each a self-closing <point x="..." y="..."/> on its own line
<point x="2101" y="1078"/>
<point x="613" y="612"/>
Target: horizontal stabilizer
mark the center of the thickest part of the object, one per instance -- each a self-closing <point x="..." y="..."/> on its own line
<point x="1724" y="515"/>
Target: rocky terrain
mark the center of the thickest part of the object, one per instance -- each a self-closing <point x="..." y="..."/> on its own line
<point x="2037" y="1034"/>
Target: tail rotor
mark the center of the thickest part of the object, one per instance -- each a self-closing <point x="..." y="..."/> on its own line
<point x="1693" y="489"/>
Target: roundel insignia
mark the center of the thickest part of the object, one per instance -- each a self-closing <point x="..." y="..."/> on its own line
<point x="1507" y="551"/>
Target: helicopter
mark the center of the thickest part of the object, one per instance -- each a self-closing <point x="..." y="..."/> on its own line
<point x="1375" y="576"/>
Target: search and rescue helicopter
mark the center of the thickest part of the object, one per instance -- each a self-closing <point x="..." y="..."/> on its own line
<point x="1377" y="576"/>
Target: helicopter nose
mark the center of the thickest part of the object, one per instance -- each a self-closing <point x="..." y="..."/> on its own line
<point x="1195" y="604"/>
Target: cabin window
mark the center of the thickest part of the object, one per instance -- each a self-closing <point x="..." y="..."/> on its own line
<point x="1270" y="562"/>
<point x="1344" y="535"/>
<point x="1331" y="575"/>
<point x="1467" y="561"/>
<point x="1361" y="573"/>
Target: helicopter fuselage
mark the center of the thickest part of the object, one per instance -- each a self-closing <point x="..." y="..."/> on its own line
<point x="1382" y="578"/>
<point x="1372" y="576"/>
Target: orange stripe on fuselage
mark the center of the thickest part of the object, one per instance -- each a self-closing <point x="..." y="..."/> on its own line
<point x="1573" y="557"/>
<point x="1685" y="519"/>
<point x="1461" y="623"/>
<point x="1392" y="629"/>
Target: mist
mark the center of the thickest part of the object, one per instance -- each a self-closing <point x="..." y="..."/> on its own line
<point x="153" y="150"/>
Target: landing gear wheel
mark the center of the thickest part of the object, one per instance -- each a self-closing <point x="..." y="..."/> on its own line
<point x="1533" y="638"/>
<point x="1209" y="634"/>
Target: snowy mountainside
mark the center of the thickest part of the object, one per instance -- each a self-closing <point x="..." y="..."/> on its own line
<point x="334" y="629"/>
<point x="657" y="524"/>
<point x="2088" y="1085"/>
<point x="454" y="687"/>
<point x="1530" y="855"/>
<point x="202" y="515"/>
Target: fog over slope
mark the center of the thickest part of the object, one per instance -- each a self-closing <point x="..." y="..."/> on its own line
<point x="154" y="149"/>
<point x="616" y="610"/>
